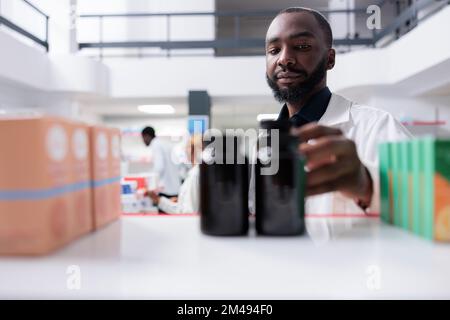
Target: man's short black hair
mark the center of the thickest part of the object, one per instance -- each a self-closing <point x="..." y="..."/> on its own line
<point x="323" y="22"/>
<point x="148" y="131"/>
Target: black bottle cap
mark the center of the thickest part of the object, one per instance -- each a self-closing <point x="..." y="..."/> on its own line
<point x="282" y="125"/>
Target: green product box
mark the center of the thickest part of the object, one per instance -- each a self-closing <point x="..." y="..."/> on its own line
<point x="436" y="194"/>
<point x="405" y="190"/>
<point x="417" y="185"/>
<point x="428" y="185"/>
<point x="391" y="184"/>
<point x="410" y="186"/>
<point x="441" y="223"/>
<point x="397" y="183"/>
<point x="384" y="167"/>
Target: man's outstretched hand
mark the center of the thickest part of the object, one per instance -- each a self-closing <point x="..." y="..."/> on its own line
<point x="333" y="164"/>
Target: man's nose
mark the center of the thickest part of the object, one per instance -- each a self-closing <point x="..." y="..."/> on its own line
<point x="286" y="58"/>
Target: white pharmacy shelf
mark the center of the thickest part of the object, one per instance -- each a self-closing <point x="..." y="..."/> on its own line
<point x="167" y="257"/>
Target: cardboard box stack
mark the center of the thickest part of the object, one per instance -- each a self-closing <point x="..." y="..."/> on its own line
<point x="46" y="189"/>
<point x="81" y="177"/>
<point x="105" y="173"/>
<point x="415" y="186"/>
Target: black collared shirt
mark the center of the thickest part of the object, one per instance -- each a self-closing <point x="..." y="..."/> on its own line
<point x="312" y="111"/>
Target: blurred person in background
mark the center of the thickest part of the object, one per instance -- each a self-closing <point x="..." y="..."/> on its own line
<point x="188" y="200"/>
<point x="163" y="164"/>
<point x="181" y="158"/>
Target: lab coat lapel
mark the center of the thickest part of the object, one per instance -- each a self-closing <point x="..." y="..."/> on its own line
<point x="338" y="111"/>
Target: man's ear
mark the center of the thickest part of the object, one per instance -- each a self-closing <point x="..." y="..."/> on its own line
<point x="331" y="58"/>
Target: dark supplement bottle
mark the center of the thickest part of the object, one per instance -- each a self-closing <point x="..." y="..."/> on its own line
<point x="224" y="188"/>
<point x="280" y="194"/>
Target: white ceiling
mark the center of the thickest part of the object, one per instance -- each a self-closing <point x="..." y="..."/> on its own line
<point x="252" y="5"/>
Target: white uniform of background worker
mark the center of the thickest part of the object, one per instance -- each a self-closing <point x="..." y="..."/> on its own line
<point x="342" y="162"/>
<point x="188" y="200"/>
<point x="163" y="165"/>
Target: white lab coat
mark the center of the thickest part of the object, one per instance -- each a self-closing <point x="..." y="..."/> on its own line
<point x="189" y="196"/>
<point x="163" y="164"/>
<point x="367" y="127"/>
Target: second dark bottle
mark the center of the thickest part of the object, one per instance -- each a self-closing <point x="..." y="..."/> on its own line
<point x="279" y="182"/>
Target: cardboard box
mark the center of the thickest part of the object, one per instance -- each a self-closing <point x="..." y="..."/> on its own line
<point x="81" y="177"/>
<point x="115" y="173"/>
<point x="105" y="174"/>
<point x="44" y="201"/>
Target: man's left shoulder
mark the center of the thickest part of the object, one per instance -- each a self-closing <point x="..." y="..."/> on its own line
<point x="372" y="118"/>
<point x="369" y="113"/>
<point x="345" y="110"/>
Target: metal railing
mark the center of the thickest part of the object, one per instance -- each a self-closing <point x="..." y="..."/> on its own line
<point x="237" y="41"/>
<point x="20" y="30"/>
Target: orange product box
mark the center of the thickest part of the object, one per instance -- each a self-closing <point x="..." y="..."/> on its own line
<point x="105" y="174"/>
<point x="43" y="202"/>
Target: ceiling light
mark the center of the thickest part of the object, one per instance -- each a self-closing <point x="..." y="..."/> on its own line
<point x="157" y="109"/>
<point x="266" y="116"/>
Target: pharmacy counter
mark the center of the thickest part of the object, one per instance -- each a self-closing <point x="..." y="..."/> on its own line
<point x="166" y="257"/>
